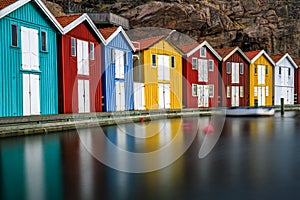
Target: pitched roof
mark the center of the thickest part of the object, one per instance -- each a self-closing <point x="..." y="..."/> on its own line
<point x="186" y="48"/>
<point x="276" y="58"/>
<point x="147" y="42"/>
<point x="225" y="51"/>
<point x="5" y="3"/>
<point x="252" y="54"/>
<point x="66" y="20"/>
<point x="107" y="32"/>
<point x="9" y="6"/>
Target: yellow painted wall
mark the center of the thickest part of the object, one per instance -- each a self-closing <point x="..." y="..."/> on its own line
<point x="262" y="60"/>
<point x="151" y="75"/>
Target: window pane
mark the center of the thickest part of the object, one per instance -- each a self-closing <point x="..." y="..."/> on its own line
<point x="112" y="55"/>
<point x="211" y="65"/>
<point x="228" y="91"/>
<point x="228" y="70"/>
<point x="194" y="63"/>
<point x="202" y="52"/>
<point x="92" y="51"/>
<point x="279" y="70"/>
<point x="267" y="91"/>
<point x="211" y="91"/>
<point x="73" y="46"/>
<point x="241" y="91"/>
<point x="14" y="35"/>
<point x="255" y="91"/>
<point x="44" y="41"/>
<point x="289" y="71"/>
<point x="194" y="89"/>
<point x="172" y="61"/>
<point x="153" y="60"/>
<point x="241" y="68"/>
<point x="267" y="70"/>
<point x="255" y="69"/>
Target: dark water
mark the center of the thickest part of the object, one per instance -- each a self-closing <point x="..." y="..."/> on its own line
<point x="255" y="158"/>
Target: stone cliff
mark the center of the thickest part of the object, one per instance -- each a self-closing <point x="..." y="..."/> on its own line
<point x="273" y="25"/>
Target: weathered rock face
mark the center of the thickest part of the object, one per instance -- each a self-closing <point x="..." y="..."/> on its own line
<point x="273" y="25"/>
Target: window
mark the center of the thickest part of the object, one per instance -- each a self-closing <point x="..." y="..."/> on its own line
<point x="112" y="55"/>
<point x="73" y="46"/>
<point x="228" y="91"/>
<point x="126" y="58"/>
<point x="44" y="40"/>
<point x="202" y="52"/>
<point x="194" y="63"/>
<point x="92" y="51"/>
<point x="267" y="70"/>
<point x="241" y="91"/>
<point x="255" y="91"/>
<point x="211" y="91"/>
<point x="267" y="91"/>
<point x="255" y="69"/>
<point x="279" y="70"/>
<point x="173" y="61"/>
<point x="241" y="68"/>
<point x="211" y="65"/>
<point x="14" y="35"/>
<point x="153" y="60"/>
<point x="194" y="90"/>
<point x="228" y="70"/>
<point x="289" y="72"/>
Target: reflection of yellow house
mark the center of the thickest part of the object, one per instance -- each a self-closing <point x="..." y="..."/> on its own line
<point x="157" y="75"/>
<point x="261" y="78"/>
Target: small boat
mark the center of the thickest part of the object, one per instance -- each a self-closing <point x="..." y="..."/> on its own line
<point x="250" y="111"/>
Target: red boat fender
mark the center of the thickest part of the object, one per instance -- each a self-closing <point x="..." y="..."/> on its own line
<point x="208" y="129"/>
<point x="141" y="120"/>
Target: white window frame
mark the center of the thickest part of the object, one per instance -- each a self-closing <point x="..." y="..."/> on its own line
<point x="211" y="91"/>
<point x="210" y="65"/>
<point x="17" y="35"/>
<point x="73" y="47"/>
<point x="228" y="67"/>
<point x="92" y="51"/>
<point x="194" y="92"/>
<point x="42" y="41"/>
<point x="241" y="91"/>
<point x="202" y="52"/>
<point x="228" y="91"/>
<point x="194" y="63"/>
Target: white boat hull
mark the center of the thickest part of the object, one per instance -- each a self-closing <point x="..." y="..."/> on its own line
<point x="250" y="111"/>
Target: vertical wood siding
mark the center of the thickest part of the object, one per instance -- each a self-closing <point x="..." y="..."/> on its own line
<point x="108" y="75"/>
<point x="191" y="77"/>
<point x="68" y="94"/>
<point x="243" y="80"/>
<point x="11" y="103"/>
<point x="151" y="76"/>
<point x="262" y="60"/>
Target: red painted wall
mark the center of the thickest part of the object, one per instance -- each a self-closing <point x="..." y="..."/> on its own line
<point x="67" y="71"/>
<point x="191" y="77"/>
<point x="244" y="80"/>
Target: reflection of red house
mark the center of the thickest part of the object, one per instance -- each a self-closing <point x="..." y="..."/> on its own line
<point x="79" y="66"/>
<point x="297" y="81"/>
<point x="234" y="70"/>
<point x="200" y="72"/>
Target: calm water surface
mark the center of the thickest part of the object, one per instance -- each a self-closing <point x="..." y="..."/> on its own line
<point x="255" y="158"/>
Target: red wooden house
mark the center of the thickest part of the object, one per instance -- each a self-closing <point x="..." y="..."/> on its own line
<point x="234" y="70"/>
<point x="297" y="81"/>
<point x="200" y="72"/>
<point x="79" y="65"/>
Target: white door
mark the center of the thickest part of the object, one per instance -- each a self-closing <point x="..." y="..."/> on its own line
<point x="120" y="96"/>
<point x="31" y="94"/>
<point x="163" y="67"/>
<point x="83" y="96"/>
<point x="261" y="74"/>
<point x="120" y="65"/>
<point x="139" y="96"/>
<point x="203" y="95"/>
<point x="261" y="96"/>
<point x="82" y="57"/>
<point x="235" y="75"/>
<point x="25" y="48"/>
<point x="164" y="96"/>
<point x="235" y="96"/>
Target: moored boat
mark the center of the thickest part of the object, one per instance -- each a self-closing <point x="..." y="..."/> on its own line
<point x="250" y="111"/>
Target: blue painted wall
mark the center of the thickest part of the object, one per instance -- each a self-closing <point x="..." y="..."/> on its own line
<point x="108" y="75"/>
<point x="11" y="101"/>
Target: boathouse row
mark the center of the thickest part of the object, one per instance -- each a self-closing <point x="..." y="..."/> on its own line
<point x="54" y="65"/>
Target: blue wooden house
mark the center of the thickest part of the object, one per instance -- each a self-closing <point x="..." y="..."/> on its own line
<point x="117" y="70"/>
<point x="28" y="59"/>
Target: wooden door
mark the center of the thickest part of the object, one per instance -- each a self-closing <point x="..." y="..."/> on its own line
<point x="83" y="96"/>
<point x="261" y="96"/>
<point x="139" y="96"/>
<point x="235" y="96"/>
<point x="163" y="67"/>
<point x="120" y="96"/>
<point x="164" y="96"/>
<point x="31" y="94"/>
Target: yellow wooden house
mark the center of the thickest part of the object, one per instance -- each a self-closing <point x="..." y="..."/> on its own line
<point x="157" y="75"/>
<point x="260" y="78"/>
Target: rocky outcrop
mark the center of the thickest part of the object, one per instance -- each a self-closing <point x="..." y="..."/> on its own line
<point x="253" y="24"/>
